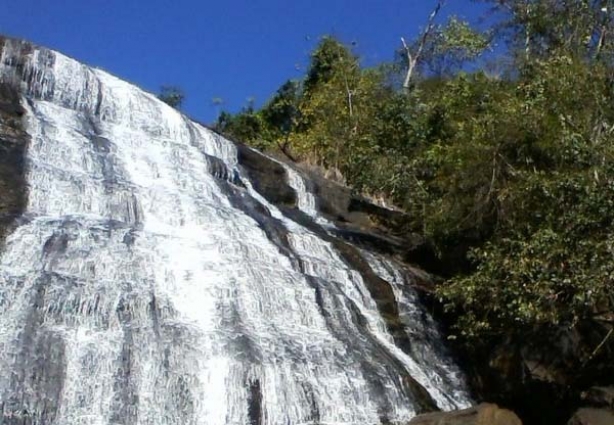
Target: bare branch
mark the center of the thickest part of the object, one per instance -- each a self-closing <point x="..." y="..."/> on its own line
<point x="527" y="31"/>
<point x="601" y="344"/>
<point x="412" y="60"/>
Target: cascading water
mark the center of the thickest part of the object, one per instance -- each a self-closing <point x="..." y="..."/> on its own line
<point x="148" y="282"/>
<point x="305" y="201"/>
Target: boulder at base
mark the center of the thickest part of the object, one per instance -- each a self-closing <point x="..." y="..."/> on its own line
<point x="599" y="397"/>
<point x="591" y="416"/>
<point x="482" y="414"/>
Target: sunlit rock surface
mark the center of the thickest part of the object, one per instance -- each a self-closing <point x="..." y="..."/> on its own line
<point x="151" y="277"/>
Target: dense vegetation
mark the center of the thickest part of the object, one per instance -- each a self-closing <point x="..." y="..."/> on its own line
<point x="504" y="157"/>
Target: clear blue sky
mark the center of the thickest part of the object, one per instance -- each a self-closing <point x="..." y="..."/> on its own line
<point x="231" y="49"/>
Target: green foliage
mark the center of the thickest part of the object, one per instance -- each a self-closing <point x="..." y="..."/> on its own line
<point x="509" y="176"/>
<point x="172" y="96"/>
<point x="453" y="45"/>
<point x="552" y="267"/>
<point x="282" y="112"/>
<point x="246" y="126"/>
<point x="540" y="28"/>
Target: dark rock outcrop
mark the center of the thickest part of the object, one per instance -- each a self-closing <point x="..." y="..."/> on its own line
<point x="269" y="177"/>
<point x="592" y="416"/>
<point x="483" y="414"/>
<point x="360" y="221"/>
<point x="13" y="144"/>
<point x="357" y="220"/>
<point x="599" y="397"/>
<point x="545" y="376"/>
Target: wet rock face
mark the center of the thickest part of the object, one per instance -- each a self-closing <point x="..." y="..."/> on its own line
<point x="13" y="145"/>
<point x="362" y="223"/>
<point x="357" y="220"/>
<point x="268" y="176"/>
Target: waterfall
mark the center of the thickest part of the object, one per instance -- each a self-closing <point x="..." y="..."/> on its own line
<point x="148" y="282"/>
<point x="306" y="202"/>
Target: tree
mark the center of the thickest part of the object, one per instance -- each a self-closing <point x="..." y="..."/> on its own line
<point x="328" y="58"/>
<point x="217" y="103"/>
<point x="451" y="46"/>
<point x="246" y="126"/>
<point x="172" y="96"/>
<point x="281" y="114"/>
